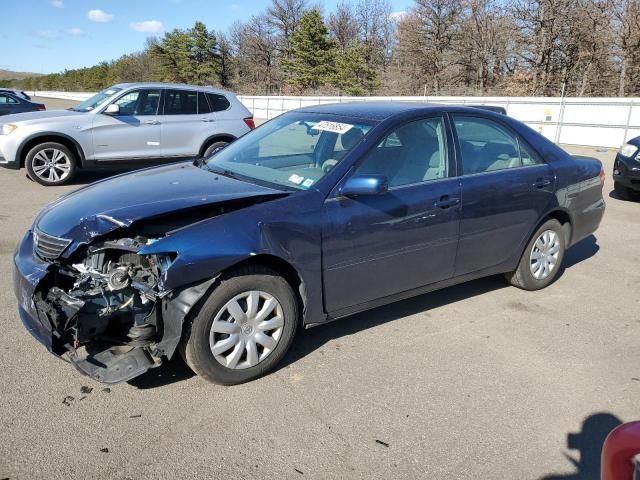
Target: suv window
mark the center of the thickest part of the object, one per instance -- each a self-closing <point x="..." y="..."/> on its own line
<point x="218" y="102"/>
<point x="487" y="146"/>
<point x="139" y="102"/>
<point x="203" y="105"/>
<point x="4" y="99"/>
<point x="180" y="102"/>
<point x="415" y="152"/>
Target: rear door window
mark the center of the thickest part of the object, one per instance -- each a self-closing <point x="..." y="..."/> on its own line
<point x="180" y="102"/>
<point x="7" y="99"/>
<point x="488" y="146"/>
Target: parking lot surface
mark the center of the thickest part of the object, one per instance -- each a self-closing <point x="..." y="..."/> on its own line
<point x="480" y="380"/>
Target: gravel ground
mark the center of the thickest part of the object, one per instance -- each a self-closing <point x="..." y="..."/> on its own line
<point x="476" y="381"/>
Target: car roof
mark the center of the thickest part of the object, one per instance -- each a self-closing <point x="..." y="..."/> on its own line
<point x="171" y="85"/>
<point x="381" y="110"/>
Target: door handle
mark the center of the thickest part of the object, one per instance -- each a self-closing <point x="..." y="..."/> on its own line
<point x="207" y="120"/>
<point x="152" y="122"/>
<point x="541" y="183"/>
<point x="446" y="202"/>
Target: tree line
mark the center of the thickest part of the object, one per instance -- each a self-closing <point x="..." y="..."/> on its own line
<point x="437" y="47"/>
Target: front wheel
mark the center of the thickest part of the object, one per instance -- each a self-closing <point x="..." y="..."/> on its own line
<point x="244" y="327"/>
<point x="541" y="260"/>
<point x="624" y="193"/>
<point x="51" y="164"/>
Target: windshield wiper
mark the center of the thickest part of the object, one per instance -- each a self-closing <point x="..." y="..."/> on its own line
<point x="222" y="171"/>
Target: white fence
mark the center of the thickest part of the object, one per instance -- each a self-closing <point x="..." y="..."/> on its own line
<point x="598" y="122"/>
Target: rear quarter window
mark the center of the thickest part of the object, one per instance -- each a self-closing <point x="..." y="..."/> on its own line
<point x="218" y="102"/>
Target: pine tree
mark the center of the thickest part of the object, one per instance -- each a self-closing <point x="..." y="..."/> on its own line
<point x="311" y="54"/>
<point x="352" y="74"/>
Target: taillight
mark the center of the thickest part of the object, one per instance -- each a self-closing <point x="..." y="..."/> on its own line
<point x="41" y="108"/>
<point x="602" y="177"/>
<point x="250" y="123"/>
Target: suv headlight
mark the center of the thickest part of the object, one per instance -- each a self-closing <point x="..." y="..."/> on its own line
<point x="7" y="128"/>
<point x="628" y="150"/>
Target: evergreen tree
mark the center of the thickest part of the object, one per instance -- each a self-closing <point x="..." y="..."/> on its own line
<point x="352" y="74"/>
<point x="311" y="54"/>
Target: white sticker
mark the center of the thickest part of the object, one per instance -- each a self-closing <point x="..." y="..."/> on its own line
<point x="308" y="182"/>
<point x="335" y="127"/>
<point x="297" y="179"/>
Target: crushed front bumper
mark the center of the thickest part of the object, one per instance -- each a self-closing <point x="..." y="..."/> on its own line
<point x="110" y="363"/>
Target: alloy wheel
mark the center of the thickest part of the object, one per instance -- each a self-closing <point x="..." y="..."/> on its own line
<point x="51" y="165"/>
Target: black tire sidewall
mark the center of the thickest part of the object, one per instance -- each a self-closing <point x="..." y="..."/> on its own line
<point x="528" y="280"/>
<point x="212" y="147"/>
<point x="197" y="351"/>
<point x="34" y="151"/>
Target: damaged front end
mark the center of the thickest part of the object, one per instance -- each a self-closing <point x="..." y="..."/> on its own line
<point x="106" y="309"/>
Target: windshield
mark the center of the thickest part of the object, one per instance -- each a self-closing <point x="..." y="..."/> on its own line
<point x="97" y="99"/>
<point x="294" y="150"/>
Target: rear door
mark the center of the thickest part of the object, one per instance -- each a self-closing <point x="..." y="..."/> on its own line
<point x="133" y="133"/>
<point x="187" y="121"/>
<point x="506" y="187"/>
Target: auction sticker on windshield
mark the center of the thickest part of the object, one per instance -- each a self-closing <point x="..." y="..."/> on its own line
<point x="335" y="127"/>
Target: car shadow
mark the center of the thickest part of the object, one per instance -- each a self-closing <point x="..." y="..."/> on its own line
<point x="614" y="195"/>
<point x="583" y="250"/>
<point x="588" y="443"/>
<point x="308" y="341"/>
<point x="172" y="371"/>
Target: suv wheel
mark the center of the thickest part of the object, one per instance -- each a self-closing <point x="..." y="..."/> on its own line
<point x="51" y="164"/>
<point x="541" y="260"/>
<point x="624" y="193"/>
<point x="244" y="327"/>
<point x="213" y="148"/>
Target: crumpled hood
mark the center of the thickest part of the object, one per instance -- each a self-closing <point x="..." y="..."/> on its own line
<point x="119" y="201"/>
<point x="31" y="118"/>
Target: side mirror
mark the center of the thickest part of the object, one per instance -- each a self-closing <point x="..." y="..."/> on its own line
<point x="364" y="185"/>
<point x="112" y="109"/>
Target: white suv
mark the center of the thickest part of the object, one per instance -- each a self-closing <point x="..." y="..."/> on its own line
<point x="126" y="123"/>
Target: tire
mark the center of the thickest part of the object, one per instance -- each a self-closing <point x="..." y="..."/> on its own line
<point x="213" y="147"/>
<point x="51" y="164"/>
<point x="198" y="337"/>
<point x="524" y="276"/>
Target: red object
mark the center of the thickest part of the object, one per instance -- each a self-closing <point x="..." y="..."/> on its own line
<point x="250" y="123"/>
<point x="621" y="445"/>
<point x="602" y="175"/>
<point x="41" y="108"/>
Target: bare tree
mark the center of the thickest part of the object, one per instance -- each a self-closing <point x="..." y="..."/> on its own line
<point x="343" y="26"/>
<point x="284" y="16"/>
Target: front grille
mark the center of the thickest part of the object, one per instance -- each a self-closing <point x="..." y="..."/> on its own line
<point x="48" y="246"/>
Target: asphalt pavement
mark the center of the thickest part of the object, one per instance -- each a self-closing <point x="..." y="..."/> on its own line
<point x="478" y="381"/>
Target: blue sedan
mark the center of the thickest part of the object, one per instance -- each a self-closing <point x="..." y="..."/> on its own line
<point x="316" y="215"/>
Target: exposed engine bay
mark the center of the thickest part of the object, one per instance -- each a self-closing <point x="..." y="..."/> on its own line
<point x="108" y="301"/>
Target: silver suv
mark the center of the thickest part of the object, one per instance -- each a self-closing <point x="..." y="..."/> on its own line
<point x="127" y="123"/>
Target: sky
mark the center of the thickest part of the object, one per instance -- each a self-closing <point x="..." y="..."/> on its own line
<point x="46" y="36"/>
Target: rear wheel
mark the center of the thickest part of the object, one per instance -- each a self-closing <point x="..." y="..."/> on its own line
<point x="541" y="260"/>
<point x="213" y="148"/>
<point x="243" y="329"/>
<point x="51" y="164"/>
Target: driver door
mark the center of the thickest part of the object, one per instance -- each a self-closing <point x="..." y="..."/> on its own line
<point x="382" y="245"/>
<point x="131" y="134"/>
